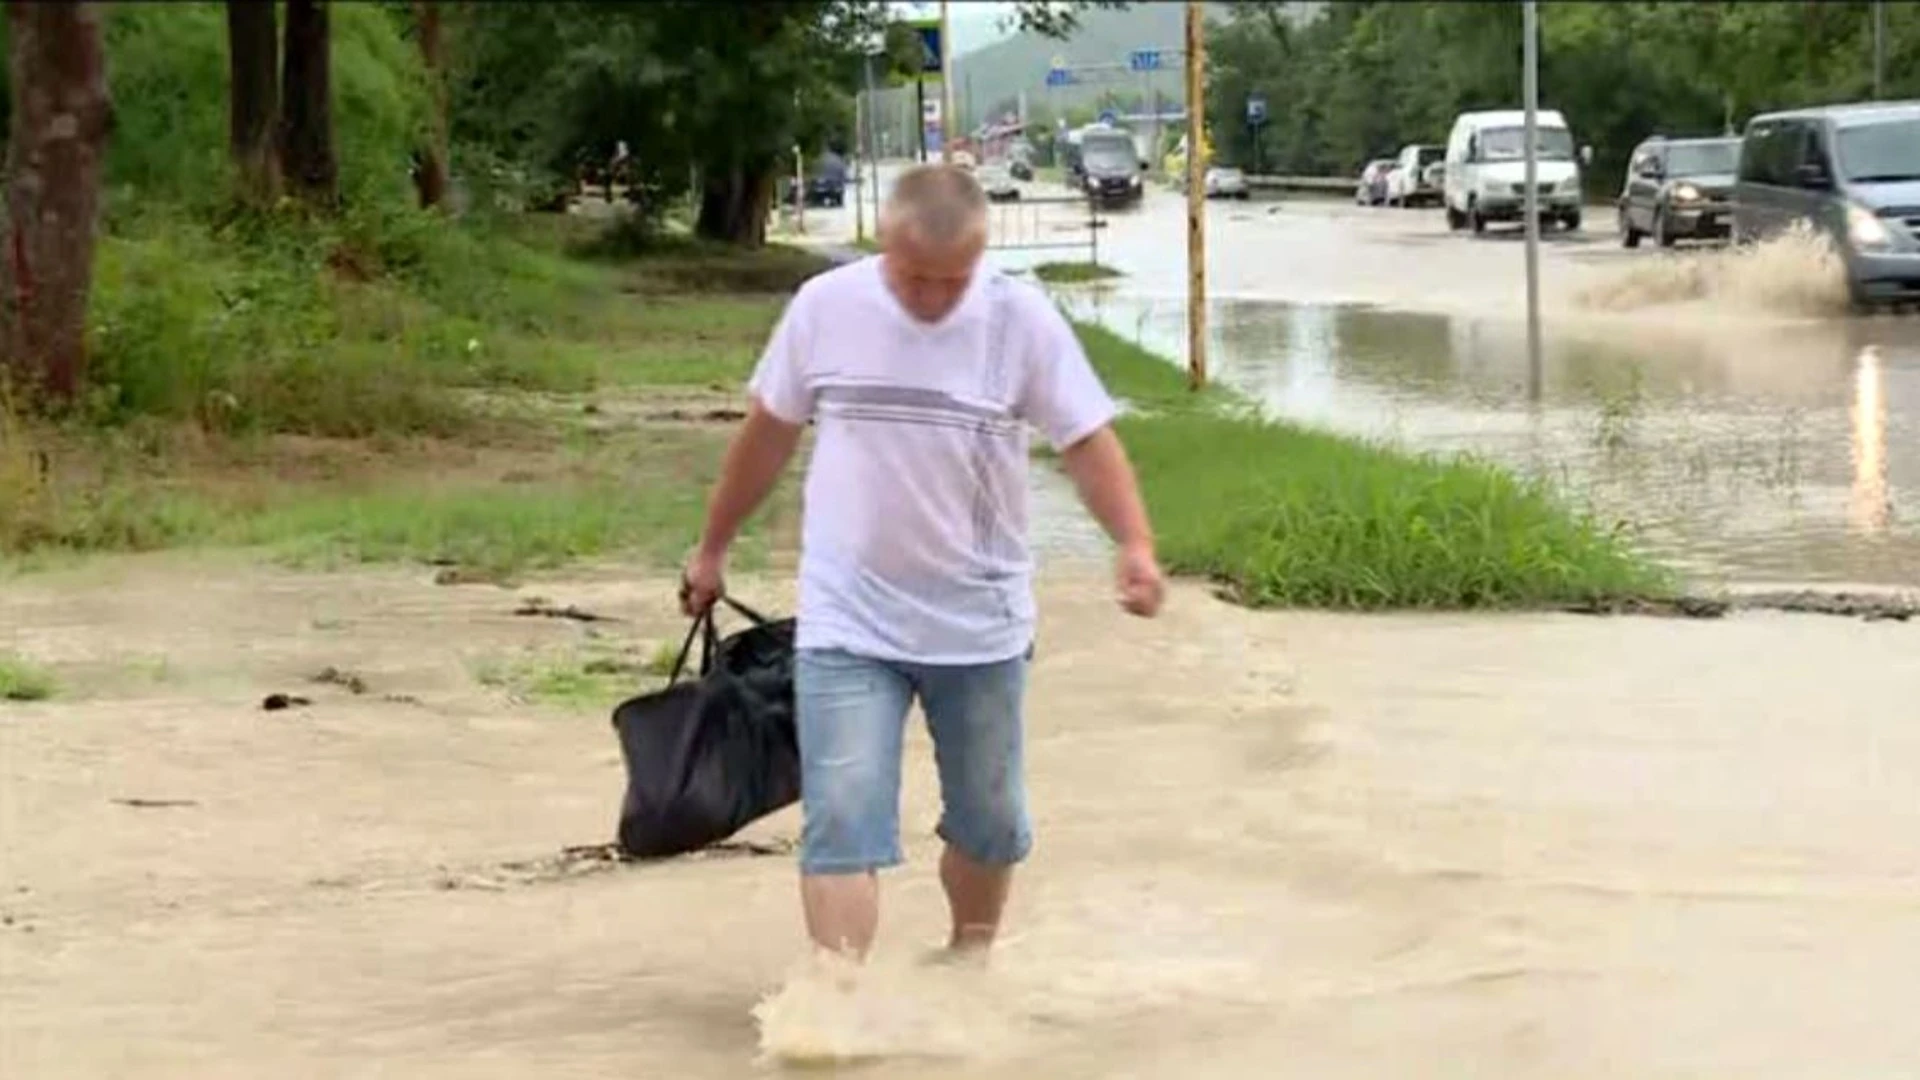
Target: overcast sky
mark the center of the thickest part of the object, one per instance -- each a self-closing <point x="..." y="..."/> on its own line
<point x="975" y="22"/>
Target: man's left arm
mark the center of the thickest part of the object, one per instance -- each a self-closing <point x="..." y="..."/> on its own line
<point x="1065" y="398"/>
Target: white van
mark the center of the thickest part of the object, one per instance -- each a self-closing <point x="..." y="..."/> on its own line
<point x="1487" y="171"/>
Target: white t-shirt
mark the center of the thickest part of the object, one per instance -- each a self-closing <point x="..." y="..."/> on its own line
<point x="914" y="529"/>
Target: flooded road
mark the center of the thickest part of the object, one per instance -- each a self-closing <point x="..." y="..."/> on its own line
<point x="1724" y="405"/>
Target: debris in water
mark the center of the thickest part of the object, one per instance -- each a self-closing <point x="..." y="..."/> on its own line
<point x="1685" y="607"/>
<point x="277" y="702"/>
<point x="1872" y="608"/>
<point x="538" y="607"/>
<point x="333" y="676"/>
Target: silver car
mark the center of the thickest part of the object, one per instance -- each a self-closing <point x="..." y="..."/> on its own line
<point x="1850" y="171"/>
<point x="1225" y="182"/>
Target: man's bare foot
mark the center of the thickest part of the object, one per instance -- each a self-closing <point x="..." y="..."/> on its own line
<point x="956" y="956"/>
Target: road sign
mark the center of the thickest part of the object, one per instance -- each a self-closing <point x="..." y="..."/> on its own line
<point x="1256" y="109"/>
<point x="1059" y="77"/>
<point x="1144" y="59"/>
<point x="928" y="31"/>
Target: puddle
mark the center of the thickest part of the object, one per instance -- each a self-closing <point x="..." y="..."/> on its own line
<point x="1738" y="452"/>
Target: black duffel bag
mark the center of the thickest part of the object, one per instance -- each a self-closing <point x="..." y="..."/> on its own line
<point x="707" y="756"/>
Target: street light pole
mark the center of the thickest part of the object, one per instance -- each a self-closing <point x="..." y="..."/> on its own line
<point x="1530" y="93"/>
<point x="862" y="116"/>
<point x="1196" y="198"/>
<point x="946" y="85"/>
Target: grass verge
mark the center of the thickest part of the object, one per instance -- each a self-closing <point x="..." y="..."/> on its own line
<point x="1287" y="517"/>
<point x="263" y="399"/>
<point x="1073" y="273"/>
<point x="21" y="680"/>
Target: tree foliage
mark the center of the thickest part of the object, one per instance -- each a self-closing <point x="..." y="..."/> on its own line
<point x="1363" y="78"/>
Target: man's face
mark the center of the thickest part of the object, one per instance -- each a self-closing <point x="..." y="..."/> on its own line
<point x="929" y="279"/>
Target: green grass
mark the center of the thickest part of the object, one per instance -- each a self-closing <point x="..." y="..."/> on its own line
<point x="491" y="515"/>
<point x="1074" y="273"/>
<point x="1284" y="516"/>
<point x="591" y="679"/>
<point x="21" y="680"/>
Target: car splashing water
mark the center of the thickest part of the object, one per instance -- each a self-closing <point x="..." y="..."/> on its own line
<point x="1796" y="273"/>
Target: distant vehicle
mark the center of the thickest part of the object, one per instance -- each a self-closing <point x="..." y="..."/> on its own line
<point x="997" y="181"/>
<point x="1850" y="171"/>
<point x="1486" y="169"/>
<point x="1226" y="182"/>
<point x="1679" y="188"/>
<point x="826" y="187"/>
<point x="1372" y="190"/>
<point x="1413" y="181"/>
<point x="1103" y="162"/>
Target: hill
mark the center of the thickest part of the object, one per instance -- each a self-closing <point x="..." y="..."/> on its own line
<point x="990" y="79"/>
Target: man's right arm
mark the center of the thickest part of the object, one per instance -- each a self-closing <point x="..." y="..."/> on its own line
<point x="754" y="461"/>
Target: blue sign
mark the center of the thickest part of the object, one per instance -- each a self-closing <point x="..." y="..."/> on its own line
<point x="1059" y="77"/>
<point x="930" y="56"/>
<point x="1144" y="60"/>
<point x="1256" y="109"/>
<point x="1109" y="117"/>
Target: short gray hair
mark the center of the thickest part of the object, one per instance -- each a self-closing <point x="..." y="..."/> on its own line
<point x="942" y="204"/>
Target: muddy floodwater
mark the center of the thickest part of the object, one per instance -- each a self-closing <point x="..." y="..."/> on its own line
<point x="1269" y="845"/>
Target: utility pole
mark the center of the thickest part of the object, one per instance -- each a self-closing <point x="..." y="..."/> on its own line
<point x="1530" y="94"/>
<point x="1879" y="50"/>
<point x="946" y="85"/>
<point x="1196" y="198"/>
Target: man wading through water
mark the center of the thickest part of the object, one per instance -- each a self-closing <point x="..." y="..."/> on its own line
<point x="921" y="372"/>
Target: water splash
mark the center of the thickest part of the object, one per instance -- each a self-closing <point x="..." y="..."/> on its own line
<point x="1797" y="273"/>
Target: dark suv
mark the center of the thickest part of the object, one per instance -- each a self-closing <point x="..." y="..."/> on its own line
<point x="1679" y="189"/>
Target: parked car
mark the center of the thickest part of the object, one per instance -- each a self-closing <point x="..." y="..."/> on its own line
<point x="1679" y="189"/>
<point x="1373" y="182"/>
<point x="1413" y="180"/>
<point x="1850" y="171"/>
<point x="997" y="181"/>
<point x="1226" y="182"/>
<point x="1486" y="169"/>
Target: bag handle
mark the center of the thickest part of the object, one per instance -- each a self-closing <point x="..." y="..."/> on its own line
<point x="709" y="638"/>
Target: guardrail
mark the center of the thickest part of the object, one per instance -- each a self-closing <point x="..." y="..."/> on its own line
<point x="1303" y="183"/>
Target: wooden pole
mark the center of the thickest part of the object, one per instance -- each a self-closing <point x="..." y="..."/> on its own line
<point x="1196" y="198"/>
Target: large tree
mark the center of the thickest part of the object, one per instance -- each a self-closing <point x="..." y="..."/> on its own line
<point x="306" y="106"/>
<point x="253" y="102"/>
<point x="61" y="115"/>
<point x="431" y="176"/>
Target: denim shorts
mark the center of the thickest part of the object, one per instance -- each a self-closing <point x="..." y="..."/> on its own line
<point x="852" y="719"/>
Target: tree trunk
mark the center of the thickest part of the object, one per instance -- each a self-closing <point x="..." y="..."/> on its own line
<point x="431" y="176"/>
<point x="253" y="99"/>
<point x="306" y="107"/>
<point x="58" y="136"/>
<point x="734" y="203"/>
